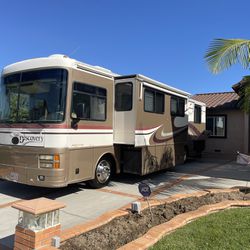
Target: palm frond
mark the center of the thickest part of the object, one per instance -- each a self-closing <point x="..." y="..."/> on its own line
<point x="223" y="53"/>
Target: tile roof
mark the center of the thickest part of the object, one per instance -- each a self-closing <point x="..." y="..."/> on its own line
<point x="216" y="100"/>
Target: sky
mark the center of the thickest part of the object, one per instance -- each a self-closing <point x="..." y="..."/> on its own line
<point x="162" y="39"/>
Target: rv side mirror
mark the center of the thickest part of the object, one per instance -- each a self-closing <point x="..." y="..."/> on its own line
<point x="80" y="110"/>
<point x="81" y="113"/>
<point x="74" y="121"/>
<point x="76" y="116"/>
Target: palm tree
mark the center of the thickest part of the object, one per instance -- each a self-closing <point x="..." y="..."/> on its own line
<point x="222" y="54"/>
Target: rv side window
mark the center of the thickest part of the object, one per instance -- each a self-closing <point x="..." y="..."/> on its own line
<point x="177" y="106"/>
<point x="123" y="96"/>
<point x="89" y="102"/>
<point x="153" y="101"/>
<point x="197" y="114"/>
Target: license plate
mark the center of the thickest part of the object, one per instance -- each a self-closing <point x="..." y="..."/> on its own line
<point x="13" y="176"/>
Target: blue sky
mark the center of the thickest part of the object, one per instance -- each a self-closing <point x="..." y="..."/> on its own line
<point x="162" y="39"/>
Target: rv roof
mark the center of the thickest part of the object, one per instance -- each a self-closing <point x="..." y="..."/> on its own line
<point x="59" y="60"/>
<point x="56" y="60"/>
<point x="156" y="83"/>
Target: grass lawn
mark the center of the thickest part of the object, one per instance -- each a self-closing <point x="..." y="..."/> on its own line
<point x="226" y="230"/>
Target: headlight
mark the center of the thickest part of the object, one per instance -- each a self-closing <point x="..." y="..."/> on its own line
<point x="46" y="157"/>
<point x="49" y="161"/>
<point x="46" y="165"/>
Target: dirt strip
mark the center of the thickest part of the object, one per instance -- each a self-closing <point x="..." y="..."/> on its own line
<point x="157" y="232"/>
<point x="117" y="228"/>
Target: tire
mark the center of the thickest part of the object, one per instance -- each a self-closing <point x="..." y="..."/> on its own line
<point x="103" y="172"/>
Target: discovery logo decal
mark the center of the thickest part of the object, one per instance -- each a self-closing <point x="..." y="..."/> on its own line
<point x="22" y="139"/>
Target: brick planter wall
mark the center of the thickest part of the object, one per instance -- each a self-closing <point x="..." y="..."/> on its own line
<point x="26" y="239"/>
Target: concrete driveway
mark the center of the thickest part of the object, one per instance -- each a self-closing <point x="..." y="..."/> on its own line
<point x="84" y="204"/>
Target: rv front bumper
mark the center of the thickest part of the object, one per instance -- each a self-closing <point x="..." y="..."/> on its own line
<point x="34" y="177"/>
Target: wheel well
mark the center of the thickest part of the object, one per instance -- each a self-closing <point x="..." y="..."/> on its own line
<point x="112" y="159"/>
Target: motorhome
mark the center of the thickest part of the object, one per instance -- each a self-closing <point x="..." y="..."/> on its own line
<point x="64" y="121"/>
<point x="196" y="112"/>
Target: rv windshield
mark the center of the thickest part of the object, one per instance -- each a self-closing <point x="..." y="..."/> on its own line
<point x="33" y="96"/>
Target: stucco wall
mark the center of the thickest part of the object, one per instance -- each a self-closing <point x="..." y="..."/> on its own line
<point x="235" y="134"/>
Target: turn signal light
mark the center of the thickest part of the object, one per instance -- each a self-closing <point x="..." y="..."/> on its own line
<point x="57" y="161"/>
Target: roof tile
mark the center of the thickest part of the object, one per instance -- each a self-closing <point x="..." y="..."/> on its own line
<point x="215" y="100"/>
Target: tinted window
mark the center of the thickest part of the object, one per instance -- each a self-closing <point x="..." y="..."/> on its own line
<point x="149" y="101"/>
<point x="34" y="96"/>
<point x="177" y="106"/>
<point x="197" y="114"/>
<point x="153" y="101"/>
<point x="89" y="102"/>
<point x="123" y="96"/>
<point x="159" y="102"/>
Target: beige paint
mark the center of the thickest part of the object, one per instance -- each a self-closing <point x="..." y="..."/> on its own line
<point x="99" y="81"/>
<point x="86" y="159"/>
<point x="235" y="134"/>
<point x="17" y="159"/>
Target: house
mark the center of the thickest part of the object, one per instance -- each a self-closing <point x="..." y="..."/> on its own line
<point x="227" y="124"/>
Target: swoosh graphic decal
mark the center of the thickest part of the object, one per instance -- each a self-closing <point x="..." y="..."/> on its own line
<point x="169" y="135"/>
<point x="146" y="131"/>
<point x="163" y="134"/>
<point x="194" y="130"/>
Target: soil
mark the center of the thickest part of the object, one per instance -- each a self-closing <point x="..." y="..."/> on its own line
<point x="122" y="230"/>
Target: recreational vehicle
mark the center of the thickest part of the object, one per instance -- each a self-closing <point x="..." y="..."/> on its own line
<point x="63" y="121"/>
<point x="196" y="112"/>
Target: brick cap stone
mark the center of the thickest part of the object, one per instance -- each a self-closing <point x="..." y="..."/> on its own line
<point x="38" y="206"/>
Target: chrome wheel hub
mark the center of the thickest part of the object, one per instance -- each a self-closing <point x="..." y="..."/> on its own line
<point x="103" y="171"/>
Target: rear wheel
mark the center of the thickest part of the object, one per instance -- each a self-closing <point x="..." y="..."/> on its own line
<point x="103" y="173"/>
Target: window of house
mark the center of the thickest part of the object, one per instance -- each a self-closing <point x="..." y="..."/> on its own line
<point x="153" y="101"/>
<point x="123" y="96"/>
<point x="216" y="125"/>
<point x="89" y="102"/>
<point x="177" y="106"/>
<point x="197" y="114"/>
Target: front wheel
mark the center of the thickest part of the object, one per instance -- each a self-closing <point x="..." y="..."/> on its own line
<point x="102" y="173"/>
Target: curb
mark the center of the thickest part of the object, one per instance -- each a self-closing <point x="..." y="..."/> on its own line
<point x="157" y="232"/>
<point x="74" y="231"/>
